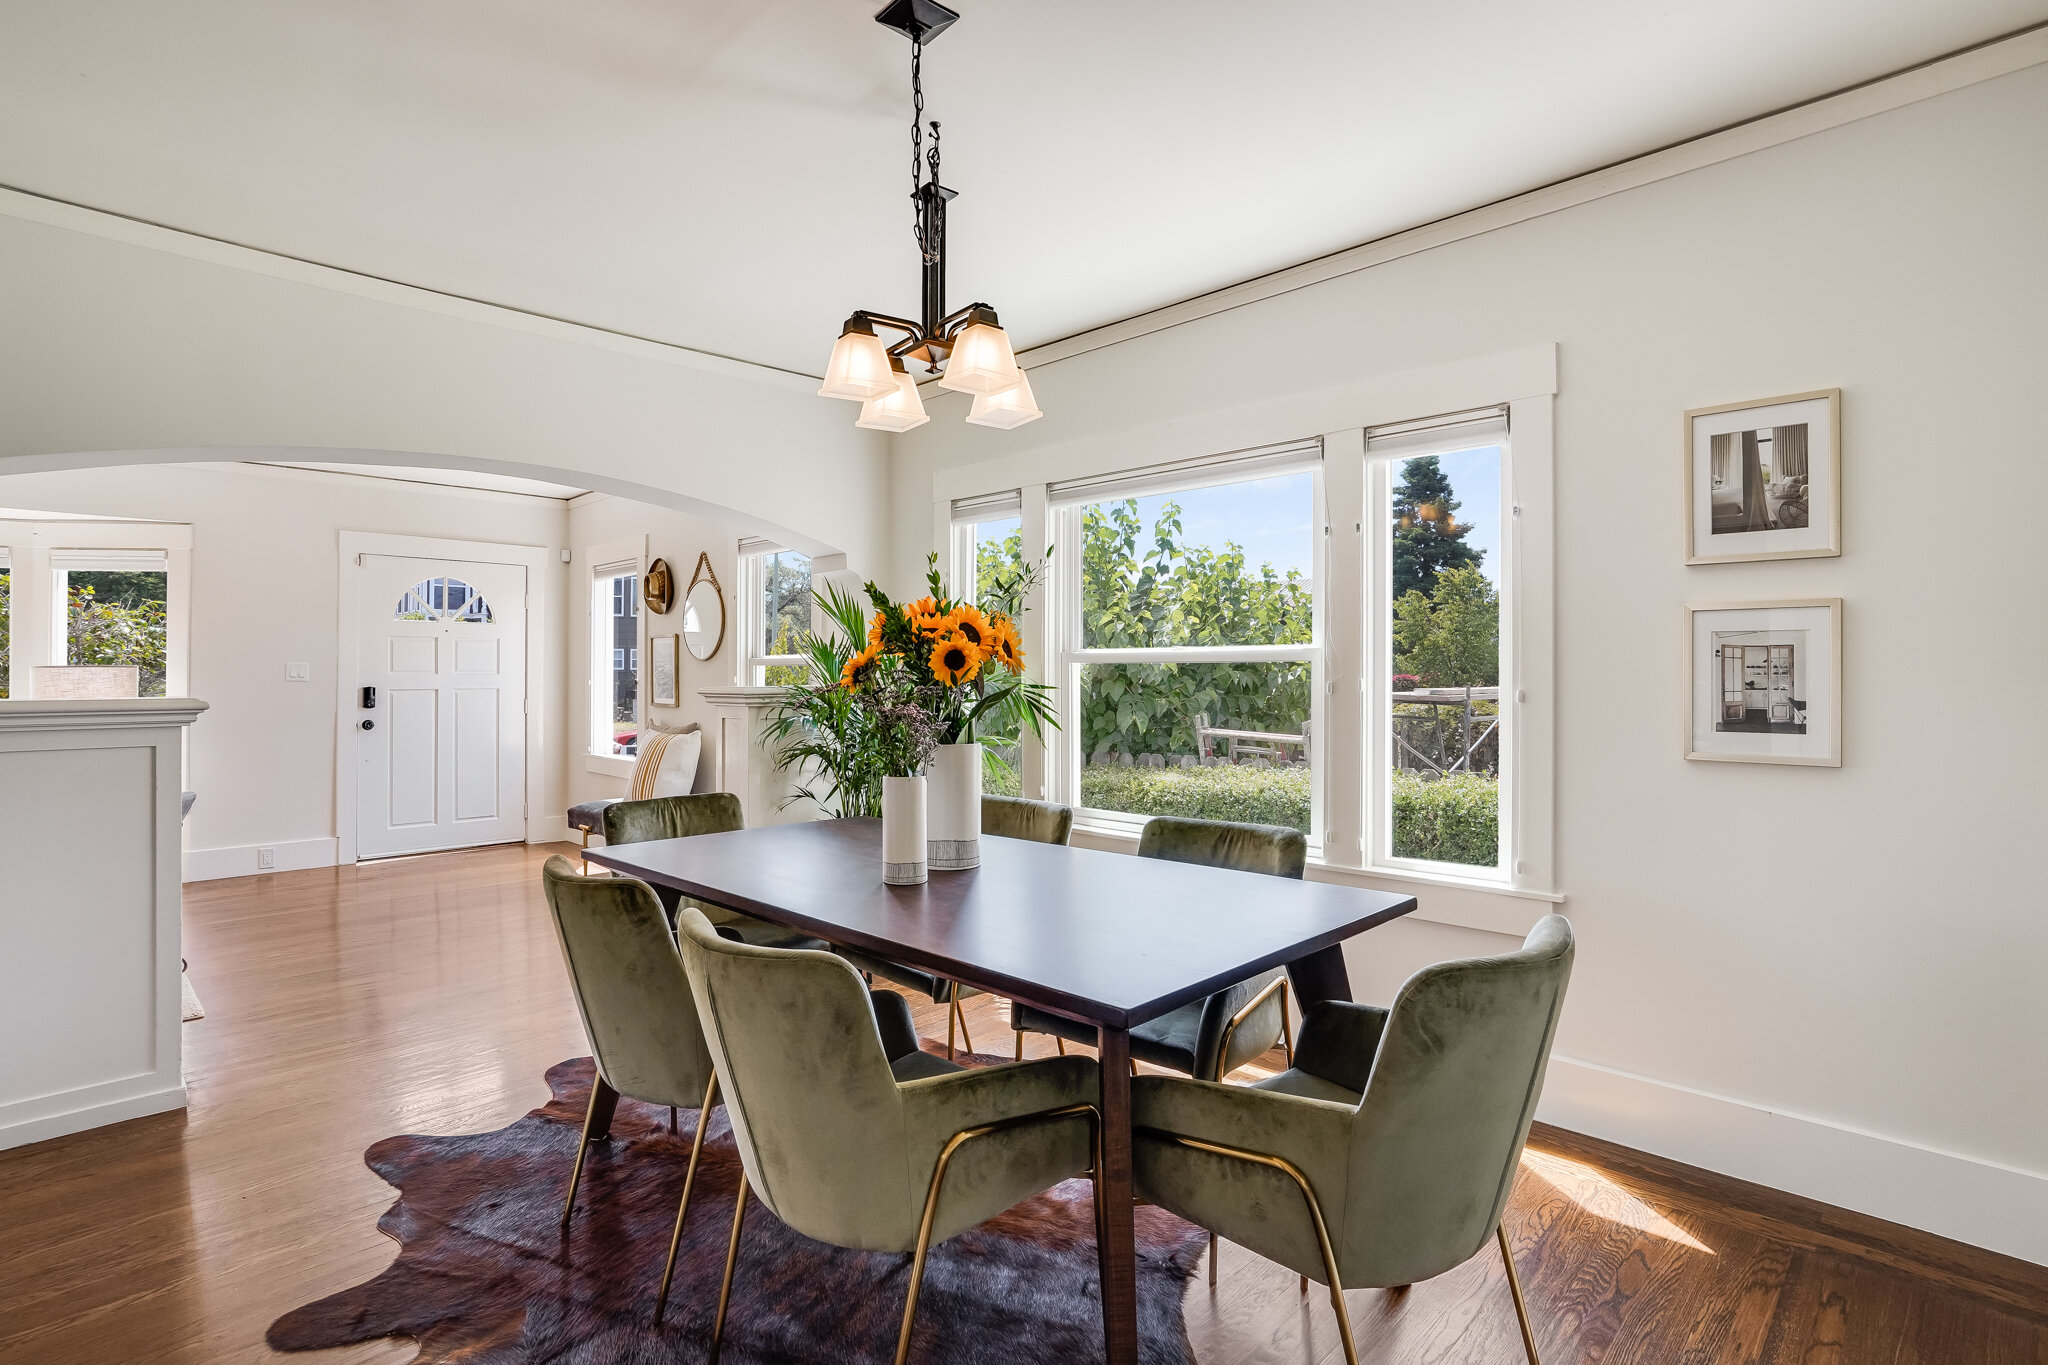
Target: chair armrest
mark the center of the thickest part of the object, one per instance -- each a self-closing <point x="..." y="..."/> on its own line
<point x="1339" y="1040"/>
<point x="1313" y="1134"/>
<point x="939" y="1106"/>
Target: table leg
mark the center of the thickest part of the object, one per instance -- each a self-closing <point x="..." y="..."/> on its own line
<point x="670" y="899"/>
<point x="1319" y="976"/>
<point x="1117" y="1249"/>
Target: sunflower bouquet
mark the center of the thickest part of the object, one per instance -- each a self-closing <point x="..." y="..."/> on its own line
<point x="964" y="663"/>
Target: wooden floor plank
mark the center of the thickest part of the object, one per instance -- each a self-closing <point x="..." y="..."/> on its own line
<point x="427" y="995"/>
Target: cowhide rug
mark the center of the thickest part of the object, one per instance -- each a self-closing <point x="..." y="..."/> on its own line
<point x="485" y="1276"/>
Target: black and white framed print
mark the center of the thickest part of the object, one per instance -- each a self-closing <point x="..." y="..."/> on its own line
<point x="1765" y="682"/>
<point x="1763" y="480"/>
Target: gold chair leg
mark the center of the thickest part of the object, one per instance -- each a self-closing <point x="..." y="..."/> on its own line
<point x="732" y="1256"/>
<point x="952" y="1018"/>
<point x="1212" y="1260"/>
<point x="1507" y="1257"/>
<point x="1060" y="1043"/>
<point x="966" y="1038"/>
<point x="582" y="1147"/>
<point x="675" y="1242"/>
<point x="1020" y="1045"/>
<point x="1286" y="1024"/>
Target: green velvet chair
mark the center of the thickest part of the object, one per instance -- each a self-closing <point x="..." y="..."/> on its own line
<point x="841" y="1147"/>
<point x="1386" y="1154"/>
<point x="1207" y="1039"/>
<point x="642" y="1021"/>
<point x="1005" y="817"/>
<point x="680" y="817"/>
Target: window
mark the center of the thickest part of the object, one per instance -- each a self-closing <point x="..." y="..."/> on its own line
<point x="777" y="613"/>
<point x="115" y="612"/>
<point x="443" y="599"/>
<point x="615" y="637"/>
<point x="988" y="555"/>
<point x="1190" y="659"/>
<point x="1436" y="585"/>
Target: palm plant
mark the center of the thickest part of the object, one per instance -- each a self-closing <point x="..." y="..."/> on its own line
<point x="820" y="727"/>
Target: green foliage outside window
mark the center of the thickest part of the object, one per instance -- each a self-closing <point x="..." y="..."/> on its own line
<point x="1450" y="637"/>
<point x="6" y="599"/>
<point x="126" y="626"/>
<point x="1166" y="592"/>
<point x="1428" y="537"/>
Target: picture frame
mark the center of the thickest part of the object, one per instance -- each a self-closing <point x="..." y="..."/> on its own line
<point x="1764" y="682"/>
<point x="662" y="687"/>
<point x="1763" y="480"/>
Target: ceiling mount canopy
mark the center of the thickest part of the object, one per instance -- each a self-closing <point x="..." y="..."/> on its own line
<point x="967" y="347"/>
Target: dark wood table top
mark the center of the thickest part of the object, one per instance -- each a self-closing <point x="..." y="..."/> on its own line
<point x="1102" y="937"/>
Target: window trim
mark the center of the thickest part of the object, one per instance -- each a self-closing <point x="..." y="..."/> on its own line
<point x="1064" y="762"/>
<point x="38" y="551"/>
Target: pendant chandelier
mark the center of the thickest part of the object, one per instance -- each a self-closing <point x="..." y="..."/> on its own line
<point x="967" y="348"/>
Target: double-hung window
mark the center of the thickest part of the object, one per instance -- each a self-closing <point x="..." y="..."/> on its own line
<point x="1438" y="737"/>
<point x="1190" y="650"/>
<point x="615" y="659"/>
<point x="775" y="613"/>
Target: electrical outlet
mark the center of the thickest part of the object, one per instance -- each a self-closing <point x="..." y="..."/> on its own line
<point x="266" y="857"/>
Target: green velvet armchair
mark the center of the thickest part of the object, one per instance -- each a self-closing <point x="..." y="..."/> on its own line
<point x="1386" y="1154"/>
<point x="840" y="1146"/>
<point x="680" y="817"/>
<point x="1005" y="817"/>
<point x="642" y="1020"/>
<point x="1207" y="1039"/>
<point x="637" y="1011"/>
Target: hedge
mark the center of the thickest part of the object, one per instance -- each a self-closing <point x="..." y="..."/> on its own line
<point x="1451" y="820"/>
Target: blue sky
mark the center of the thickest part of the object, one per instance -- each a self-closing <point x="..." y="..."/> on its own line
<point x="1272" y="518"/>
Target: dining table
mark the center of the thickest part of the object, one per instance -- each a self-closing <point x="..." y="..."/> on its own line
<point x="1102" y="938"/>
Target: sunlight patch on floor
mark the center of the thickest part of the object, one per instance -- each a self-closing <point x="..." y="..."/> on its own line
<point x="1597" y="1193"/>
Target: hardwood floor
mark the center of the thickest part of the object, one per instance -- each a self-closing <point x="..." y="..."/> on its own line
<point x="427" y="995"/>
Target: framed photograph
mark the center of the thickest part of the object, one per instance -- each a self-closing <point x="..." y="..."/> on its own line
<point x="1764" y="480"/>
<point x="1765" y="682"/>
<point x="662" y="676"/>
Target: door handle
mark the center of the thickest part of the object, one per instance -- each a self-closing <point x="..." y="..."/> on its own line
<point x="366" y="725"/>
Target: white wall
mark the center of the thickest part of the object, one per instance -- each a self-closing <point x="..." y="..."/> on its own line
<point x="1850" y="1005"/>
<point x="265" y="592"/>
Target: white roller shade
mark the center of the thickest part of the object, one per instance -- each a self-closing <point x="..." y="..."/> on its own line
<point x="1233" y="467"/>
<point x="989" y="507"/>
<point x="1473" y="427"/>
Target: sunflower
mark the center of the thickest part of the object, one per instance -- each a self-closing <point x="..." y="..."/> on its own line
<point x="849" y="676"/>
<point x="925" y="618"/>
<point x="954" y="661"/>
<point x="969" y="624"/>
<point x="1005" y="644"/>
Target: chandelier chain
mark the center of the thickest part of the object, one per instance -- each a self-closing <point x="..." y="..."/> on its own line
<point x="917" y="156"/>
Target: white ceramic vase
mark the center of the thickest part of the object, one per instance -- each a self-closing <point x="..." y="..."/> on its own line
<point x="903" y="839"/>
<point x="953" y="808"/>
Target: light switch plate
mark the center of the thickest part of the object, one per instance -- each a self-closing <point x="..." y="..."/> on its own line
<point x="298" y="672"/>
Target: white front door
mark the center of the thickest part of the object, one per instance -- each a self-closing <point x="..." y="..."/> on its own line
<point x="441" y="745"/>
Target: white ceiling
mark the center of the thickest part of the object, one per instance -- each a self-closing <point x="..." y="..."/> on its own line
<point x="734" y="176"/>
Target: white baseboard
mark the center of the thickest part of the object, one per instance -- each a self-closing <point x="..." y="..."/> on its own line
<point x="96" y="1115"/>
<point x="296" y="855"/>
<point x="549" y="829"/>
<point x="1983" y="1203"/>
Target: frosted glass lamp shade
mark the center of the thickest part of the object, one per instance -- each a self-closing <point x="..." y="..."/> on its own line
<point x="1006" y="408"/>
<point x="859" y="368"/>
<point x="898" y="410"/>
<point x="981" y="361"/>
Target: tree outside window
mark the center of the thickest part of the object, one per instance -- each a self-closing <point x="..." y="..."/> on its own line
<point x="118" y="618"/>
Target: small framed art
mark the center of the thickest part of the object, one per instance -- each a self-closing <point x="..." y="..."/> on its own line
<point x="1765" y="682"/>
<point x="662" y="677"/>
<point x="1764" y="480"/>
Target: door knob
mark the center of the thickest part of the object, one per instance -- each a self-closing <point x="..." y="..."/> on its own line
<point x="366" y="724"/>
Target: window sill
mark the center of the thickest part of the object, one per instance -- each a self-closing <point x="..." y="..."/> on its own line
<point x="608" y="765"/>
<point x="1463" y="902"/>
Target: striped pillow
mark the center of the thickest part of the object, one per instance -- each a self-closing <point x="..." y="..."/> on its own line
<point x="666" y="765"/>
